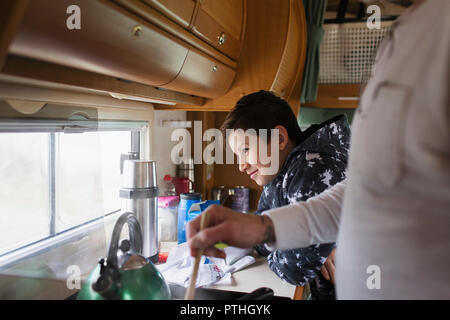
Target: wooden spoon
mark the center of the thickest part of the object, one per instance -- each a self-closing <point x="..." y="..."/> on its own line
<point x="190" y="292"/>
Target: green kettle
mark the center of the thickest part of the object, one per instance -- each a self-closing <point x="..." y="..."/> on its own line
<point x="128" y="276"/>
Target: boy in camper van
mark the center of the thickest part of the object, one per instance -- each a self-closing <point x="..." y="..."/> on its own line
<point x="309" y="162"/>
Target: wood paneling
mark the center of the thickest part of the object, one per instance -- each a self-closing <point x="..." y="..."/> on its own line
<point x="11" y="15"/>
<point x="289" y="77"/>
<point x="105" y="46"/>
<point x="201" y="76"/>
<point x="221" y="18"/>
<point x="23" y="97"/>
<point x="273" y="54"/>
<point x="228" y="13"/>
<point x="203" y="173"/>
<point x="179" y="11"/>
<point x="151" y="15"/>
<point x="272" y="58"/>
<point x="336" y="96"/>
<point x="262" y="50"/>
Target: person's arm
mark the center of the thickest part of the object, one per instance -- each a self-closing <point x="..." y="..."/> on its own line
<point x="263" y="205"/>
<point x="236" y="229"/>
<point x="247" y="230"/>
<point x="305" y="223"/>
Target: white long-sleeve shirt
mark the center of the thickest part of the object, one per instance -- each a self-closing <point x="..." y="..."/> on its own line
<point x="305" y="223"/>
<point x="391" y="218"/>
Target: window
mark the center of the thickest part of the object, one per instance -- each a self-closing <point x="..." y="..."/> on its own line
<point x="24" y="189"/>
<point x="58" y="176"/>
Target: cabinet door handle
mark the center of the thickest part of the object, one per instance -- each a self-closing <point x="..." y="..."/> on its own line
<point x="136" y="31"/>
<point x="222" y="38"/>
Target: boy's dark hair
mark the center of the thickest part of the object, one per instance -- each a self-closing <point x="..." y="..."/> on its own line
<point x="262" y="110"/>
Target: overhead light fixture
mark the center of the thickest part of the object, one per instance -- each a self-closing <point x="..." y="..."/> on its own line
<point x="142" y="99"/>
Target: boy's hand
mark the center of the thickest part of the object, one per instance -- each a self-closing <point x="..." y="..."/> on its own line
<point x="328" y="269"/>
<point x="233" y="228"/>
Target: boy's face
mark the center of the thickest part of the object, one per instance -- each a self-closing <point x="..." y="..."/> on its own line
<point x="259" y="168"/>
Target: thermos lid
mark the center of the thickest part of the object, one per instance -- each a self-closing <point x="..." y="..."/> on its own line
<point x="139" y="174"/>
<point x="191" y="196"/>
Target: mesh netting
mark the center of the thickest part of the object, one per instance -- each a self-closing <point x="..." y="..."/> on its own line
<point x="347" y="52"/>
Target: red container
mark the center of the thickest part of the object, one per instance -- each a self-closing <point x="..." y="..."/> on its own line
<point x="182" y="185"/>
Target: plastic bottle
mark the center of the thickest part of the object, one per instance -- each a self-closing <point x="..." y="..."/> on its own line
<point x="186" y="201"/>
<point x="168" y="188"/>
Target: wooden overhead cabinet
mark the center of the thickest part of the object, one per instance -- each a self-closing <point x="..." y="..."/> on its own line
<point x="216" y="50"/>
<point x="115" y="42"/>
<point x="220" y="23"/>
<point x="110" y="42"/>
<point x="272" y="56"/>
<point x="179" y="11"/>
<point x="202" y="76"/>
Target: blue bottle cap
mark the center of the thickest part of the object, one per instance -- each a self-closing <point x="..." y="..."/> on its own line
<point x="191" y="196"/>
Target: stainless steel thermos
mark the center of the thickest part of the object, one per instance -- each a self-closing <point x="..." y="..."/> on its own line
<point x="140" y="196"/>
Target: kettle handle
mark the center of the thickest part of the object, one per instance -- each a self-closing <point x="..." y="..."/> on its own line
<point x="135" y="234"/>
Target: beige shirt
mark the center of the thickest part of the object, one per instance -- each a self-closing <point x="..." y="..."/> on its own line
<point x="392" y="215"/>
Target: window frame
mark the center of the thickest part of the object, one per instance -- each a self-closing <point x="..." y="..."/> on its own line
<point x="137" y="130"/>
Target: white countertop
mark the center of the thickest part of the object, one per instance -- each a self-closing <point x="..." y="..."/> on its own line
<point x="251" y="278"/>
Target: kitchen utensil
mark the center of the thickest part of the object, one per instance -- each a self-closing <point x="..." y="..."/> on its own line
<point x="125" y="274"/>
<point x="190" y="293"/>
<point x="139" y="193"/>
